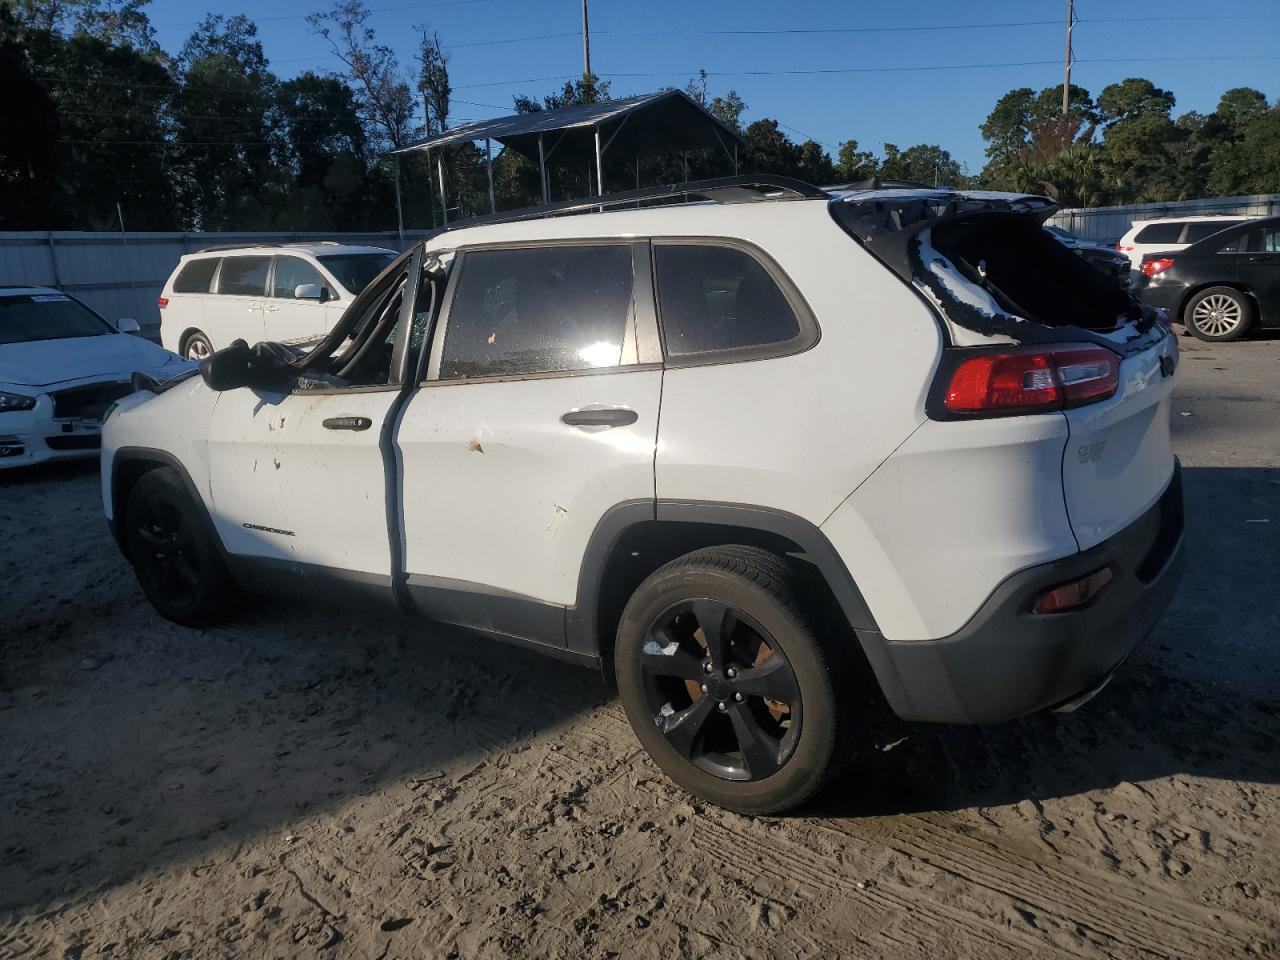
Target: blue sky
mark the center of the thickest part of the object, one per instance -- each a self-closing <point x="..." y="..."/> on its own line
<point x="664" y="42"/>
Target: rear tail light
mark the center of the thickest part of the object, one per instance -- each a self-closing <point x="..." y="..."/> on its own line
<point x="1151" y="268"/>
<point x="1071" y="596"/>
<point x="162" y="302"/>
<point x="1122" y="248"/>
<point x="1032" y="380"/>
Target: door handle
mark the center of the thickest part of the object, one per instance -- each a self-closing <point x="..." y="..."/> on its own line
<point x="600" y="417"/>
<point x="347" y="423"/>
<point x="1265" y="258"/>
<point x="272" y="308"/>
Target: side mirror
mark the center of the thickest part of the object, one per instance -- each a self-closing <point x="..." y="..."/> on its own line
<point x="128" y="325"/>
<point x="266" y="366"/>
<point x="309" y="291"/>
<point x="228" y="368"/>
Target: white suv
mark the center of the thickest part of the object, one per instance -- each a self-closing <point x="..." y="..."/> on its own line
<point x="733" y="452"/>
<point x="280" y="294"/>
<point x="1170" y="233"/>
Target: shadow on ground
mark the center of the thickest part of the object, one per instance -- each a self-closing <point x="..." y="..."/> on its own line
<point x="132" y="744"/>
<point x="1201" y="696"/>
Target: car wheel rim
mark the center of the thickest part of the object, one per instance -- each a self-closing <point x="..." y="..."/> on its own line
<point x="720" y="690"/>
<point x="197" y="350"/>
<point x="167" y="553"/>
<point x="1217" y="315"/>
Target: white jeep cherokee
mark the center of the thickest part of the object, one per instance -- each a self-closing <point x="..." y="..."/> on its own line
<point x="732" y="451"/>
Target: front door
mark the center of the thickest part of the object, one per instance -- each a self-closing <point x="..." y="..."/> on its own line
<point x="538" y="416"/>
<point x="299" y="476"/>
<point x="1258" y="267"/>
<point x="290" y="317"/>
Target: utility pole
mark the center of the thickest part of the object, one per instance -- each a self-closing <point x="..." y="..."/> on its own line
<point x="1066" y="80"/>
<point x="586" y="43"/>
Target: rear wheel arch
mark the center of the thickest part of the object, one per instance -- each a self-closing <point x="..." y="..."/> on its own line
<point x="634" y="539"/>
<point x="1195" y="291"/>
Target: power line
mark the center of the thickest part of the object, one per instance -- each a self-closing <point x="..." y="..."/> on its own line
<point x="304" y="16"/>
<point x="824" y="71"/>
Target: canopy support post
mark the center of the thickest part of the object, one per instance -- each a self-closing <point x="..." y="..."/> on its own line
<point x="637" y="171"/>
<point x="399" y="209"/>
<point x="444" y="205"/>
<point x="542" y="169"/>
<point x="488" y="155"/>
<point x="684" y="160"/>
<point x="599" y="165"/>
<point x="735" y="159"/>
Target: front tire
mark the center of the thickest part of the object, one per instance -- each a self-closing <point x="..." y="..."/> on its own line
<point x="727" y="683"/>
<point x="175" y="558"/>
<point x="1218" y="314"/>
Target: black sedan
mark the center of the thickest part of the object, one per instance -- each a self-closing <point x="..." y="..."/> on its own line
<point x="1221" y="286"/>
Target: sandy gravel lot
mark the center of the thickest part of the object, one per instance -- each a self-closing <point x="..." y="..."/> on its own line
<point x="299" y="783"/>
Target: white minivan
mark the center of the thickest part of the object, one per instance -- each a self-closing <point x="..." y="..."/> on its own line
<point x="278" y="293"/>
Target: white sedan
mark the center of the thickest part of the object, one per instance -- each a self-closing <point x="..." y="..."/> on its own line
<point x="61" y="366"/>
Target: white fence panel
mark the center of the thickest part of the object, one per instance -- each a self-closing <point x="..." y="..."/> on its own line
<point x="1109" y="224"/>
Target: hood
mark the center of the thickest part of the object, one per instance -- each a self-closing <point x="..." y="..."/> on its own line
<point x="42" y="363"/>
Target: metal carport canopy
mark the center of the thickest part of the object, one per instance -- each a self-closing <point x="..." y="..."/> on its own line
<point x="654" y="123"/>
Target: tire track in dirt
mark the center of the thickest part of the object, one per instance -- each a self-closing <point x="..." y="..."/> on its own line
<point x="1112" y="906"/>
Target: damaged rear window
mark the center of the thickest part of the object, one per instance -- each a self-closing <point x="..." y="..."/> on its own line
<point x="986" y="262"/>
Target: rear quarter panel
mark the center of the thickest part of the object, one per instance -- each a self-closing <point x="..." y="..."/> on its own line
<point x="800" y="433"/>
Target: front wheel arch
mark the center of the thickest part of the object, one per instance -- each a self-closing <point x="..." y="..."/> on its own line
<point x="130" y="464"/>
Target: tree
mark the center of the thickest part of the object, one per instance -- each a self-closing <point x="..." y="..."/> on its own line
<point x="27" y="160"/>
<point x="433" y="84"/>
<point x="769" y="150"/>
<point x="322" y="143"/>
<point x="385" y="102"/>
<point x="114" y="22"/>
<point x="1007" y="131"/>
<point x="222" y="125"/>
<point x="1140" y="139"/>
<point x="727" y="109"/>
<point x="925" y="163"/>
<point x="854" y="164"/>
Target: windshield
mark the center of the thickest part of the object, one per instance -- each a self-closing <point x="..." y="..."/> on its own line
<point x="355" y="270"/>
<point x="47" y="316"/>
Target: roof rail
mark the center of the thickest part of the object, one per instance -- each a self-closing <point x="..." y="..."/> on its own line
<point x="745" y="189"/>
<point x="882" y="183"/>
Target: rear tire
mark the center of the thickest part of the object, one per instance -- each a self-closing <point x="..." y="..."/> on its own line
<point x="196" y="347"/>
<point x="751" y="714"/>
<point x="167" y="539"/>
<point x="1218" y="314"/>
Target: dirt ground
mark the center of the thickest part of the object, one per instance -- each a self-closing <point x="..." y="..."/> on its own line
<point x="298" y="783"/>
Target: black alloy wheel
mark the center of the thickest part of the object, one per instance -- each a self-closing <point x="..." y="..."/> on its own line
<point x="720" y="690"/>
<point x="167" y="538"/>
<point x="736" y="680"/>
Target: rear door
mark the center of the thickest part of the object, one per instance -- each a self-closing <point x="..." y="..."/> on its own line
<point x="288" y="316"/>
<point x="539" y="414"/>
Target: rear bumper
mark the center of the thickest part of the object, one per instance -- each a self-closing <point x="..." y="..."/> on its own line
<point x="1007" y="662"/>
<point x="1166" y="294"/>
